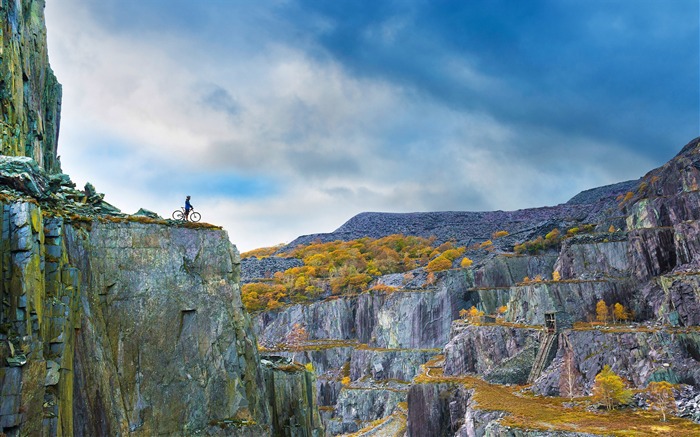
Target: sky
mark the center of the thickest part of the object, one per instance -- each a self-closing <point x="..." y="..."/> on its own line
<point x="288" y="117"/>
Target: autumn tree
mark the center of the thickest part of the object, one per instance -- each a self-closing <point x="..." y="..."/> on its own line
<point x="620" y="313"/>
<point x="609" y="389"/>
<point x="660" y="398"/>
<point x="475" y="315"/>
<point x="556" y="276"/>
<point x="611" y="229"/>
<point x="601" y="311"/>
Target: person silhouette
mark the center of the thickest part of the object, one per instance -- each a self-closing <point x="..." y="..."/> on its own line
<point x="188" y="207"/>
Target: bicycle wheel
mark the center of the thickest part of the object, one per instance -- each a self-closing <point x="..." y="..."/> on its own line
<point x="195" y="216"/>
<point x="178" y="215"/>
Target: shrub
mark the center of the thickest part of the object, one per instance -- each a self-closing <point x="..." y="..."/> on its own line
<point x="609" y="389"/>
<point x="439" y="264"/>
<point x="500" y="234"/>
<point x="486" y="244"/>
<point x="466" y="262"/>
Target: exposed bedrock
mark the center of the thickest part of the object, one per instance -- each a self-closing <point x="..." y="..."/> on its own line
<point x="412" y="319"/>
<point x="571" y="301"/>
<point x="500" y="354"/>
<point x="293" y="405"/>
<point x="165" y="346"/>
<point x="639" y="357"/>
<point x="30" y="102"/>
<point x="442" y="410"/>
<point x="328" y="319"/>
<point x="581" y="258"/>
<point x="506" y="271"/>
<point x="357" y="407"/>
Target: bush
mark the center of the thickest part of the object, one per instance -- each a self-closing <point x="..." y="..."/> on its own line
<point x="500" y="234"/>
<point x="466" y="262"/>
<point x="439" y="264"/>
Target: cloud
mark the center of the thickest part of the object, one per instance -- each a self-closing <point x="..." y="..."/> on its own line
<point x="284" y="118"/>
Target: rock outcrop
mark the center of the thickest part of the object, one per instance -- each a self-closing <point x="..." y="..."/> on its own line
<point x="30" y="97"/>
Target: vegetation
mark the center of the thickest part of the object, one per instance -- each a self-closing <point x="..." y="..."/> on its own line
<point x="548" y="413"/>
<point x="262" y="252"/>
<point x="551" y="240"/>
<point x="609" y="389"/>
<point x="466" y="262"/>
<point x="345" y="267"/>
<point x="660" y="398"/>
<point x="500" y="234"/>
<point x="472" y="315"/>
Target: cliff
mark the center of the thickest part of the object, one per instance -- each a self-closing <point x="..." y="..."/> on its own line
<point x="403" y="360"/>
<point x="30" y="95"/>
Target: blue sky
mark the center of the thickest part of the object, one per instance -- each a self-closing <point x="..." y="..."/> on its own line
<point x="287" y="117"/>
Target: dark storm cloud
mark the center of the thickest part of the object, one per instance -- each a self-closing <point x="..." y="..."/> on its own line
<point x="624" y="72"/>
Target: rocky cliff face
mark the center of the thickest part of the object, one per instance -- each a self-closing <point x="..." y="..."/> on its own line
<point x="388" y="358"/>
<point x="30" y="95"/>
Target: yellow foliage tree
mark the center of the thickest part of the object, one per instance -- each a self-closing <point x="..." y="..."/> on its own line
<point x="466" y="262"/>
<point x="620" y="313"/>
<point x="660" y="398"/>
<point x="556" y="276"/>
<point x="609" y="389"/>
<point x="345" y="380"/>
<point x="486" y="244"/>
<point x="611" y="229"/>
<point x="601" y="311"/>
<point x="475" y="315"/>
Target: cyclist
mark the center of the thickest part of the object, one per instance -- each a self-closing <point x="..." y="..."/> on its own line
<point x="188" y="207"/>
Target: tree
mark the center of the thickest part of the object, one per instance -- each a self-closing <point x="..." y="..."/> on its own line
<point x="474" y="315"/>
<point x="609" y="389"/>
<point x="569" y="376"/>
<point x="620" y="313"/>
<point x="556" y="276"/>
<point x="611" y="229"/>
<point x="661" y="398"/>
<point x="466" y="262"/>
<point x="601" y="311"/>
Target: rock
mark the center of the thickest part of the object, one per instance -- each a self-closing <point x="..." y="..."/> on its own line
<point x="147" y="213"/>
<point x="18" y="360"/>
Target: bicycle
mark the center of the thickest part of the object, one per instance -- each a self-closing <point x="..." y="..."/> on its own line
<point x="179" y="214"/>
